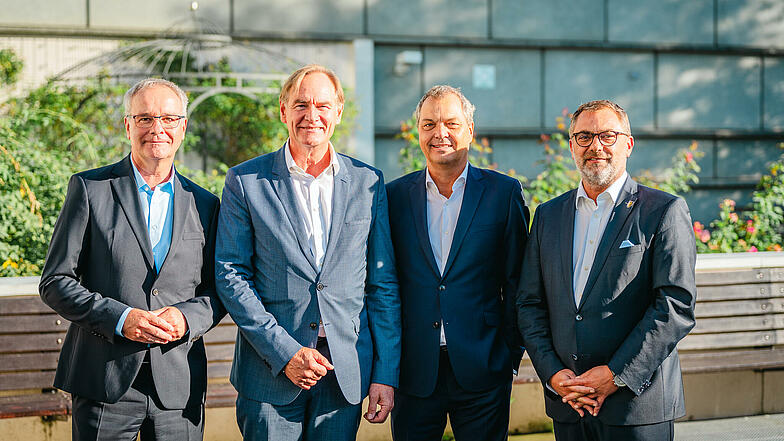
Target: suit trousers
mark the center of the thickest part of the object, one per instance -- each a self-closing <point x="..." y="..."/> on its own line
<point x="139" y="411"/>
<point x="592" y="429"/>
<point x="319" y="414"/>
<point x="482" y="415"/>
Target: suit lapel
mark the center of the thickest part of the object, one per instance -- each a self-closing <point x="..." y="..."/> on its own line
<point x="124" y="187"/>
<point x="340" y="195"/>
<point x="183" y="201"/>
<point x="623" y="207"/>
<point x="474" y="187"/>
<point x="567" y="246"/>
<point x="285" y="190"/>
<point x="418" y="196"/>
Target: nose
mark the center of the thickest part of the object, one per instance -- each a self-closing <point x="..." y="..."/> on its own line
<point x="596" y="145"/>
<point x="441" y="131"/>
<point x="157" y="126"/>
<point x="311" y="113"/>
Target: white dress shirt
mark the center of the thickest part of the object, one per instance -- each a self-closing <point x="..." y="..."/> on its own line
<point x="590" y="220"/>
<point x="314" y="199"/>
<point x="442" y="214"/>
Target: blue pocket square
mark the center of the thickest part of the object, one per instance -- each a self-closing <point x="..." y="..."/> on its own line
<point x="626" y="244"/>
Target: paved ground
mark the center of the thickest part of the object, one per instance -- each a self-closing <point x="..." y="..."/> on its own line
<point x="755" y="428"/>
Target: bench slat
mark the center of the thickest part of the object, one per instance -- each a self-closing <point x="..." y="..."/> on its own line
<point x="23" y="305"/>
<point x="734" y="308"/>
<point x="220" y="352"/>
<point x="57" y="403"/>
<point x="221" y="334"/>
<point x="26" y="380"/>
<point x="741" y="323"/>
<point x="29" y="361"/>
<point x="220" y="369"/>
<point x="739" y="292"/>
<point x="700" y="362"/>
<point x="758" y="275"/>
<point x="37" y="323"/>
<point x="732" y="340"/>
<point x="31" y="342"/>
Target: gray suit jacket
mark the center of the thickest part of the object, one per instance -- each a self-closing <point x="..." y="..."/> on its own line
<point x="266" y="276"/>
<point x="100" y="262"/>
<point x="637" y="304"/>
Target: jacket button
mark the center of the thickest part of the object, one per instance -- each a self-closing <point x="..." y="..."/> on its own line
<point x="441" y="287"/>
<point x="155" y="291"/>
<point x="313" y="325"/>
<point x="578" y="317"/>
<point x="574" y="357"/>
<point x="436" y="325"/>
<point x="320" y="286"/>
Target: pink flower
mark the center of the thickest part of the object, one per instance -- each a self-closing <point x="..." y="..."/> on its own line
<point x="705" y="236"/>
<point x="753" y="249"/>
<point x="728" y="203"/>
<point x="698" y="227"/>
<point x="750" y="229"/>
<point x="734" y="217"/>
<point x="689" y="156"/>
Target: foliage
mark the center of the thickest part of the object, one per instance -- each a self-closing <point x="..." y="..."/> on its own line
<point x="10" y="67"/>
<point x="756" y="229"/>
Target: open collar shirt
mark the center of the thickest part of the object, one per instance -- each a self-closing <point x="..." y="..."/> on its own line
<point x="442" y="214"/>
<point x="590" y="220"/>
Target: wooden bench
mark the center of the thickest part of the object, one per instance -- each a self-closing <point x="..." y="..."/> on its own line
<point x="740" y="322"/>
<point x="31" y="335"/>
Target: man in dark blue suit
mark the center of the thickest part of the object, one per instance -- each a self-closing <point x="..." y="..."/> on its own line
<point x="459" y="234"/>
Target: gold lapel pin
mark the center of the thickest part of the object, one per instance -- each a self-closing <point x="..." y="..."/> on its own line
<point x="630" y="204"/>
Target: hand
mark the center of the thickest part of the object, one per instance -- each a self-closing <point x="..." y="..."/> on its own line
<point x="599" y="378"/>
<point x="146" y="327"/>
<point x="576" y="395"/>
<point x="174" y="317"/>
<point x="383" y="396"/>
<point x="307" y="367"/>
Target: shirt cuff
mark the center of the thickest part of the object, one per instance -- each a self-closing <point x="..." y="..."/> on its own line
<point x="121" y="322"/>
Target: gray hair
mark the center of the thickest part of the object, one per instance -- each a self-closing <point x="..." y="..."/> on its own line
<point x="596" y="105"/>
<point x="440" y="91"/>
<point x="154" y="82"/>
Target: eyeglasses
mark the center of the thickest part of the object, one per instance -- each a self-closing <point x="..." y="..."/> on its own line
<point x="147" y="121"/>
<point x="608" y="138"/>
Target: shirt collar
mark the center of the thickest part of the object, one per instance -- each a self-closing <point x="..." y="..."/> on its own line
<point x="613" y="191"/>
<point x="142" y="185"/>
<point x="430" y="183"/>
<point x="294" y="168"/>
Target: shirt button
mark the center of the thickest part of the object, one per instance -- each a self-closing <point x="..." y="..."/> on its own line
<point x="155" y="291"/>
<point x="320" y="286"/>
<point x="442" y="288"/>
<point x="590" y="241"/>
<point x="436" y="325"/>
<point x="585" y="268"/>
<point x="578" y="317"/>
<point x="313" y="325"/>
<point x="574" y="357"/>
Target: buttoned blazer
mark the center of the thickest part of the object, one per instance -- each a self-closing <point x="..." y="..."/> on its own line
<point x="267" y="277"/>
<point x="100" y="262"/>
<point x="637" y="304"/>
<point x="475" y="295"/>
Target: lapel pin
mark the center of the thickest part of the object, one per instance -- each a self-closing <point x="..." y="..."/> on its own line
<point x="630" y="204"/>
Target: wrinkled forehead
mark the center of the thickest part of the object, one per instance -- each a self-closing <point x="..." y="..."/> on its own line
<point x="155" y="96"/>
<point x="598" y="120"/>
<point x="446" y="107"/>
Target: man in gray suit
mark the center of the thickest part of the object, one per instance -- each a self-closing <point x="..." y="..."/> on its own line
<point x="131" y="266"/>
<point x="304" y="265"/>
<point x="607" y="291"/>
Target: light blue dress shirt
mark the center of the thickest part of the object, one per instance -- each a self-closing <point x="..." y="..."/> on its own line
<point x="157" y="211"/>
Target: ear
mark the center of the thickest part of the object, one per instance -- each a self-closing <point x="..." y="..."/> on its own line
<point x="571" y="149"/>
<point x="127" y="127"/>
<point x="184" y="125"/>
<point x="340" y="114"/>
<point x="629" y="146"/>
<point x="471" y="130"/>
<point x="282" y="111"/>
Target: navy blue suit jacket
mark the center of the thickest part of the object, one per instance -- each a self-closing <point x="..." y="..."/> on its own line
<point x="474" y="297"/>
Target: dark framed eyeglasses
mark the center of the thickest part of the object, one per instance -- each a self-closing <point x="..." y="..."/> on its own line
<point x="146" y="121"/>
<point x="607" y="138"/>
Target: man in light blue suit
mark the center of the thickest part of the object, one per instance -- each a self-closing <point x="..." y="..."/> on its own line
<point x="305" y="267"/>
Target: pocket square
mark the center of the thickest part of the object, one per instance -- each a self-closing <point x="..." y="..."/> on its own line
<point x="626" y="244"/>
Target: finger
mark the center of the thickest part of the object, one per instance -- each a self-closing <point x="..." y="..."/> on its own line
<point x="372" y="407"/>
<point x="317" y="368"/>
<point x="322" y="360"/>
<point x="577" y="409"/>
<point x="572" y="396"/>
<point x="160" y="323"/>
<point x="577" y="381"/>
<point x="583" y="390"/>
<point x="587" y="401"/>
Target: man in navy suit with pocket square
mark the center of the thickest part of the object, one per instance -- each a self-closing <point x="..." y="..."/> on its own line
<point x="459" y="234"/>
<point x="607" y="291"/>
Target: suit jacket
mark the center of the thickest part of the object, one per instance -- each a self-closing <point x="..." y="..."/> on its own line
<point x="100" y="262"/>
<point x="637" y="304"/>
<point x="475" y="295"/>
<point x="266" y="276"/>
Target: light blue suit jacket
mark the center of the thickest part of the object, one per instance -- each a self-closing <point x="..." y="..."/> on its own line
<point x="266" y="277"/>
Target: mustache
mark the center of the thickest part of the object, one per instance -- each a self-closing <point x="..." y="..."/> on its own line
<point x="587" y="158"/>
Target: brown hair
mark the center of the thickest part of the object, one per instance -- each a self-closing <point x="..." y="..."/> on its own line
<point x="593" y="106"/>
<point x="293" y="82"/>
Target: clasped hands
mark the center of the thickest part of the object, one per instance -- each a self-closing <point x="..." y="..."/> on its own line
<point x="585" y="392"/>
<point x="308" y="366"/>
<point x="161" y="326"/>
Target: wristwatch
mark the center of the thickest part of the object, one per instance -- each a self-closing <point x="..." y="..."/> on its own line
<point x="617" y="380"/>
